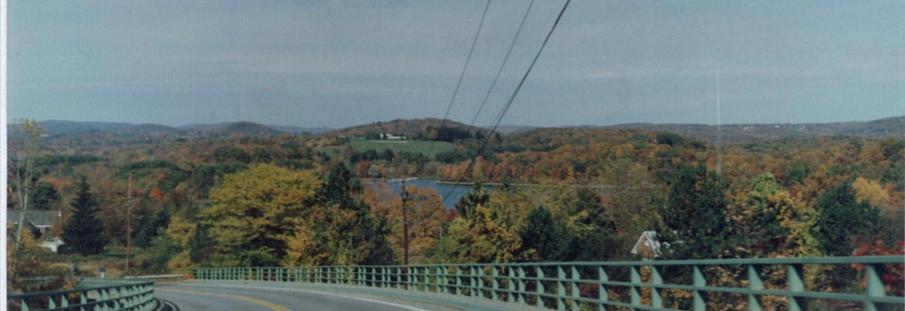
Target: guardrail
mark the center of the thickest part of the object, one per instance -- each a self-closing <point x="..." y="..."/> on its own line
<point x="155" y="277"/>
<point x="91" y="294"/>
<point x="869" y="282"/>
<point x="39" y="282"/>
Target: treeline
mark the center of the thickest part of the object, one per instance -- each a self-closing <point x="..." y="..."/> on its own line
<point x="309" y="220"/>
<point x="243" y="201"/>
<point x="268" y="215"/>
<point x="388" y="155"/>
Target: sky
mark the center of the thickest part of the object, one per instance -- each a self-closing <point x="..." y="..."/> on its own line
<point x="342" y="63"/>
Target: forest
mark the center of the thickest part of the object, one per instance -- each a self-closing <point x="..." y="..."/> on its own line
<point x="566" y="194"/>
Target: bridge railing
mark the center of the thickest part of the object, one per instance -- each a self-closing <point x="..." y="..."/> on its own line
<point x="869" y="282"/>
<point x="91" y="294"/>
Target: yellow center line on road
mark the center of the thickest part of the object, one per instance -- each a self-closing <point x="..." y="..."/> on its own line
<point x="269" y="305"/>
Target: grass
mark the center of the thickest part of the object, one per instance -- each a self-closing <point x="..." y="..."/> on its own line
<point x="414" y="146"/>
<point x="113" y="260"/>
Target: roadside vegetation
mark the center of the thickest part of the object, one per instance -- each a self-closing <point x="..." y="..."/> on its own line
<point x="584" y="194"/>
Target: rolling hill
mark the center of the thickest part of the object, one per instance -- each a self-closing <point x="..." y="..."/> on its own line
<point x="407" y="127"/>
<point x="249" y="129"/>
<point x="741" y="133"/>
<point x="730" y="133"/>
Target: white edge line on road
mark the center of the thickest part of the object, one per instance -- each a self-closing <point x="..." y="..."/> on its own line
<point x="317" y="293"/>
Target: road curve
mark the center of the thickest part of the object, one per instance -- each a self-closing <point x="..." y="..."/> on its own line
<point x="241" y="297"/>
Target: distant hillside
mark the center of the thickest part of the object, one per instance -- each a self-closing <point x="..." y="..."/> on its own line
<point x="250" y="129"/>
<point x="152" y="129"/>
<point x="407" y="127"/>
<point x="741" y="133"/>
<point x="65" y="128"/>
<point x="62" y="128"/>
<point x="730" y="133"/>
<point x="299" y="130"/>
<point x="514" y="129"/>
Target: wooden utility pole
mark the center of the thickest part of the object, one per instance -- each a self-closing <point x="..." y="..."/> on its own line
<point x="405" y="226"/>
<point x="128" y="222"/>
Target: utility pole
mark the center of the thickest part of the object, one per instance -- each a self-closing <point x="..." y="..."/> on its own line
<point x="405" y="225"/>
<point x="128" y="222"/>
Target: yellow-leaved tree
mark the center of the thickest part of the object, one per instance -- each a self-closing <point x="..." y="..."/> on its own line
<point x="254" y="212"/>
<point x="487" y="232"/>
<point x="180" y="232"/>
<point x="771" y="223"/>
<point x="873" y="192"/>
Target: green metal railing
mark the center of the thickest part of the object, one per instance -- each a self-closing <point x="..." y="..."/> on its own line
<point x="757" y="284"/>
<point x="91" y="294"/>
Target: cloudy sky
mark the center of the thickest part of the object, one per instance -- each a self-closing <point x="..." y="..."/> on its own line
<point x="340" y="63"/>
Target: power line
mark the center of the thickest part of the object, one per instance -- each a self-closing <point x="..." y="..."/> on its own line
<point x="503" y="64"/>
<point x="512" y="97"/>
<point x="452" y="100"/>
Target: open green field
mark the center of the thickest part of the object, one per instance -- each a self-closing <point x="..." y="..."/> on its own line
<point x="415" y="146"/>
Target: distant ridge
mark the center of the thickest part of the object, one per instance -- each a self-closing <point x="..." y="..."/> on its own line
<point x="64" y="128"/>
<point x="300" y="130"/>
<point x="149" y="128"/>
<point x="56" y="127"/>
<point x="514" y="129"/>
<point x="408" y="127"/>
<point x="731" y="133"/>
<point x="880" y="128"/>
<point x="242" y="128"/>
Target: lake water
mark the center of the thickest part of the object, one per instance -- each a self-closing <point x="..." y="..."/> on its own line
<point x="441" y="188"/>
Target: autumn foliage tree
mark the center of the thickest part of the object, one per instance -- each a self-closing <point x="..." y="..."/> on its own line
<point x="426" y="216"/>
<point x="487" y="232"/>
<point x="768" y="222"/>
<point x="254" y="212"/>
<point x="339" y="229"/>
<point x="22" y="167"/>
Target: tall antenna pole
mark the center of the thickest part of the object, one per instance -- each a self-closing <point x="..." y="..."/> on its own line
<point x="719" y="133"/>
<point x="128" y="222"/>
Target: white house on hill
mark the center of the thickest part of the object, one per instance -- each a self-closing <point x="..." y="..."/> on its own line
<point x="389" y="136"/>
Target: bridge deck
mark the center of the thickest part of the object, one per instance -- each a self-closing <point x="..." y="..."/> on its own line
<point x="272" y="296"/>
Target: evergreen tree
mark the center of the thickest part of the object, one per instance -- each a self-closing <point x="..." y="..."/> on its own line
<point x="544" y="237"/>
<point x="695" y="214"/>
<point x="341" y="230"/>
<point x="597" y="240"/>
<point x="200" y="244"/>
<point x="83" y="232"/>
<point x="841" y="218"/>
<point x="338" y="188"/>
<point x="45" y="196"/>
<point x="149" y="226"/>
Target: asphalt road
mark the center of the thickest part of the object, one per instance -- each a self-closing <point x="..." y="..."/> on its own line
<point x="238" y="297"/>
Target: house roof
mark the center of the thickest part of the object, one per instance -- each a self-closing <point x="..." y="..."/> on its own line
<point x="647" y="244"/>
<point x="35" y="218"/>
